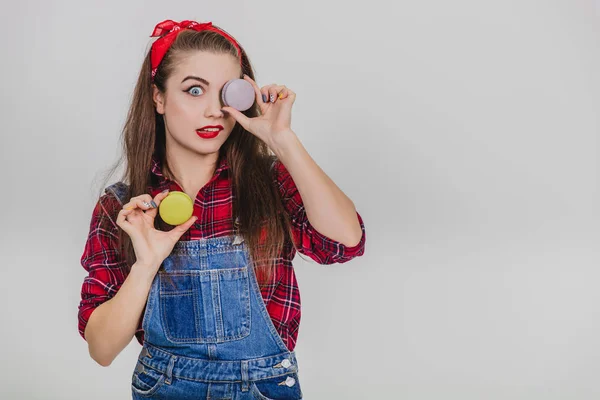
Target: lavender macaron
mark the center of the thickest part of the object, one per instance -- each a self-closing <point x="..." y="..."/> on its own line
<point x="238" y="94"/>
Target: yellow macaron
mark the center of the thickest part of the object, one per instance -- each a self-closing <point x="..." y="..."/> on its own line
<point x="176" y="208"/>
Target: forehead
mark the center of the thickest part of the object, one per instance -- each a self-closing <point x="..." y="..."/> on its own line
<point x="215" y="68"/>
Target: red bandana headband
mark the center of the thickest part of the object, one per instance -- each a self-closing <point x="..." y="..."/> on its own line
<point x="168" y="31"/>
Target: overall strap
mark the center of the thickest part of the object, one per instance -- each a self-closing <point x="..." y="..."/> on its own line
<point x="119" y="190"/>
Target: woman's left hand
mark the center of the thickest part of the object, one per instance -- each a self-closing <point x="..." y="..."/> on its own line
<point x="276" y="112"/>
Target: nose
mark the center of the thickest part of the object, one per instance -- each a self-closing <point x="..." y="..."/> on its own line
<point x="215" y="103"/>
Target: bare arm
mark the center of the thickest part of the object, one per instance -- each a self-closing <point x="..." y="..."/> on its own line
<point x="329" y="210"/>
<point x="112" y="325"/>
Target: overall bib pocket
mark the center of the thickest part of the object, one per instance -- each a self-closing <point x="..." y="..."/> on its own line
<point x="205" y="306"/>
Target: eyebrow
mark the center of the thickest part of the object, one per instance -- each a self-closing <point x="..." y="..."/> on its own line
<point x="196" y="78"/>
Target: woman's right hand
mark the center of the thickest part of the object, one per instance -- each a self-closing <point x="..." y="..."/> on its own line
<point x="151" y="246"/>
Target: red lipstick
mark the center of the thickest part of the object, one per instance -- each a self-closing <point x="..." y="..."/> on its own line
<point x="209" y="131"/>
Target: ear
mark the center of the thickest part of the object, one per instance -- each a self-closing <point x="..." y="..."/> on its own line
<point x="159" y="101"/>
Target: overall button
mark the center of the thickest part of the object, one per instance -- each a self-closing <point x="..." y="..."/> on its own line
<point x="285" y="364"/>
<point x="290" y="381"/>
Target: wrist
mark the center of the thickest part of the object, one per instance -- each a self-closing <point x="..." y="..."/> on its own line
<point x="283" y="142"/>
<point x="143" y="270"/>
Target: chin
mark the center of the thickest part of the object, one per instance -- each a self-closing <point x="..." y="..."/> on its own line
<point x="208" y="147"/>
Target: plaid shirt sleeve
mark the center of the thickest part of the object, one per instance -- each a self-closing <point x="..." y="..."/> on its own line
<point x="101" y="260"/>
<point x="309" y="241"/>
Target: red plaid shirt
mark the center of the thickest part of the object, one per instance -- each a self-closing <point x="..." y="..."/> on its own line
<point x="213" y="207"/>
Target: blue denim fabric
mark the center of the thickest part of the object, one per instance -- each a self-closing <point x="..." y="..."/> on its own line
<point x="207" y="331"/>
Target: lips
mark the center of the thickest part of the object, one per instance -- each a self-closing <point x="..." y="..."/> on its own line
<point x="209" y="134"/>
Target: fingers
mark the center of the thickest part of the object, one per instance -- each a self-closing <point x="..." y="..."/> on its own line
<point x="283" y="93"/>
<point x="142" y="203"/>
<point x="145" y="201"/>
<point x="122" y="222"/>
<point x="290" y="97"/>
<point x="269" y="93"/>
<point x="138" y="202"/>
<point x="264" y="94"/>
<point x="257" y="90"/>
<point x="277" y="93"/>
<point x="274" y="92"/>
<point x="157" y="200"/>
<point x="139" y="205"/>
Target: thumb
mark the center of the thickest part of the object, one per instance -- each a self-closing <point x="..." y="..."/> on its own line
<point x="179" y="230"/>
<point x="238" y="116"/>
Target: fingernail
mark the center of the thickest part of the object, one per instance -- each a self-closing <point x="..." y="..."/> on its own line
<point x="272" y="98"/>
<point x="264" y="96"/>
<point x="153" y="204"/>
<point x="165" y="191"/>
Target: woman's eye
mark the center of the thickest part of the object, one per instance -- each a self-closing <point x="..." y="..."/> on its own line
<point x="195" y="91"/>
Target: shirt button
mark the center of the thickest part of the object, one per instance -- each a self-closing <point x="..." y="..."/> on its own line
<point x="290" y="381"/>
<point x="286" y="363"/>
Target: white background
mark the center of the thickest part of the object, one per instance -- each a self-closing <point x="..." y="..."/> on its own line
<point x="465" y="132"/>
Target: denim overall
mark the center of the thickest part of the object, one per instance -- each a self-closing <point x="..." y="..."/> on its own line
<point x="207" y="332"/>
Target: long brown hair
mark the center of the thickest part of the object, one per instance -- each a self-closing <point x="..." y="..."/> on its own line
<point x="256" y="200"/>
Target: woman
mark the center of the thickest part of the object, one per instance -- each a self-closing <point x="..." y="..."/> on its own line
<point x="214" y="301"/>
